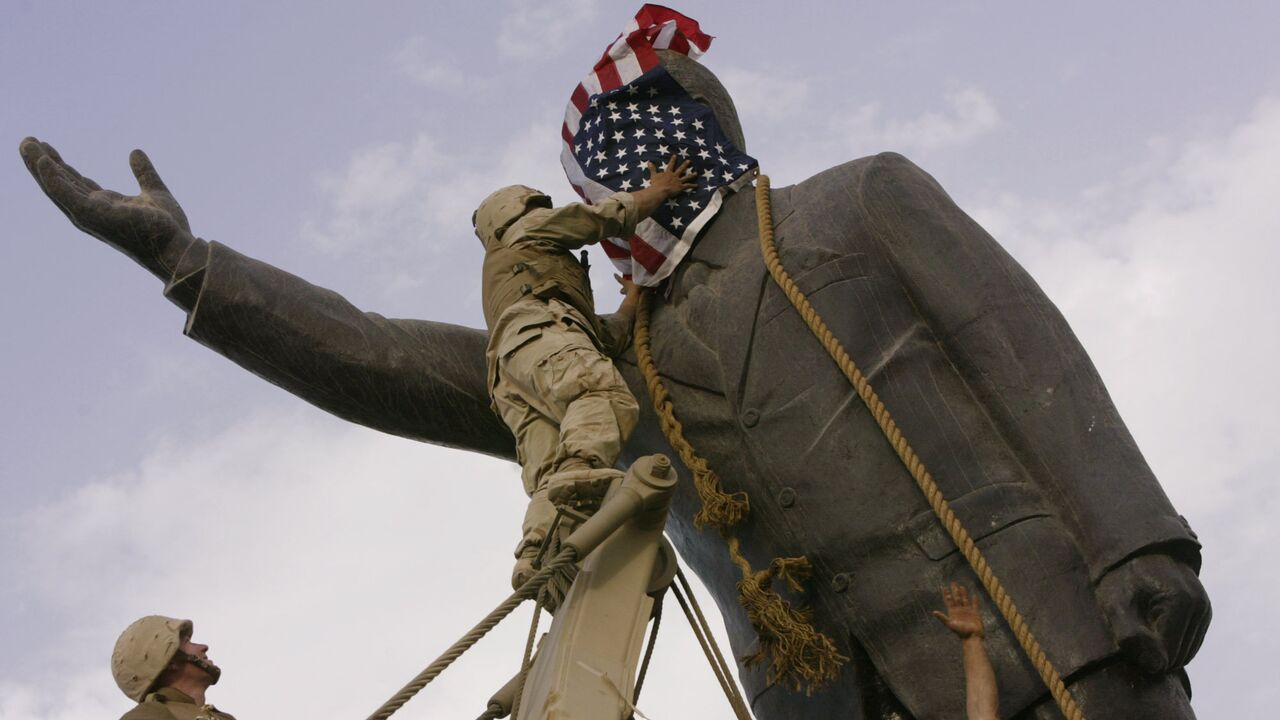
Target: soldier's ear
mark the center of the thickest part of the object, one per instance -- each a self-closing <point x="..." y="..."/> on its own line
<point x="473" y="217"/>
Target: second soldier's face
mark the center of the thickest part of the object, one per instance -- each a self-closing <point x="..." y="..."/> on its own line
<point x="201" y="651"/>
<point x="195" y="648"/>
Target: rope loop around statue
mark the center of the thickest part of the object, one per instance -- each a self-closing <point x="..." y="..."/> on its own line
<point x="914" y="465"/>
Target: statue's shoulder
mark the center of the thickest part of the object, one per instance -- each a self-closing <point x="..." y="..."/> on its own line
<point x="885" y="167"/>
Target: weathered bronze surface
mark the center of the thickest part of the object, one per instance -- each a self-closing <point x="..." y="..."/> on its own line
<point x="979" y="368"/>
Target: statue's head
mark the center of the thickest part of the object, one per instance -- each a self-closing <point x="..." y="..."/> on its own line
<point x="502" y="208"/>
<point x="703" y="86"/>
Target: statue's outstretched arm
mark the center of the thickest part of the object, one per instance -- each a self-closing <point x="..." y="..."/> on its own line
<point x="1023" y="362"/>
<point x="416" y="379"/>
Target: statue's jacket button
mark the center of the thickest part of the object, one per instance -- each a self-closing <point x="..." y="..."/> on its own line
<point x="750" y="417"/>
<point x="840" y="582"/>
<point x="786" y="497"/>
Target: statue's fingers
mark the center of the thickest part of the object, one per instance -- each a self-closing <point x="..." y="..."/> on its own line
<point x="52" y="152"/>
<point x="1200" y="627"/>
<point x="35" y="153"/>
<point x="148" y="179"/>
<point x="31" y="151"/>
<point x="1144" y="649"/>
<point x="68" y="195"/>
<point x="1189" y="638"/>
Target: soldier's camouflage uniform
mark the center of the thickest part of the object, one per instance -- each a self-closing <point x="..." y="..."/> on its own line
<point x="551" y="378"/>
<point x="170" y="704"/>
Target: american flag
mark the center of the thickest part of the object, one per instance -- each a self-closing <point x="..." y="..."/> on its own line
<point x="629" y="111"/>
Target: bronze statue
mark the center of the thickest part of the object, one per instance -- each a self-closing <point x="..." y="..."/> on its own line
<point x="979" y="368"/>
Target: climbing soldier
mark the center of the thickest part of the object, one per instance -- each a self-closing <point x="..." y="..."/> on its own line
<point x="551" y="378"/>
<point x="156" y="664"/>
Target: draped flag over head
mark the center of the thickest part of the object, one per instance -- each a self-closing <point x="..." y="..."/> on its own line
<point x="629" y="111"/>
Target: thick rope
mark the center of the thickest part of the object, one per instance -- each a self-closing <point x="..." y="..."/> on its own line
<point x="568" y="556"/>
<point x="648" y="650"/>
<point x="924" y="480"/>
<point x="705" y="641"/>
<point x="705" y="627"/>
<point x="527" y="659"/>
<point x="799" y="656"/>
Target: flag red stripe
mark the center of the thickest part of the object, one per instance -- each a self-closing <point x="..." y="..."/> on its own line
<point x="651" y="15"/>
<point x="644" y="253"/>
<point x="643" y="50"/>
<point x="579" y="98"/>
<point x="614" y="252"/>
<point x="608" y="74"/>
<point x="568" y="136"/>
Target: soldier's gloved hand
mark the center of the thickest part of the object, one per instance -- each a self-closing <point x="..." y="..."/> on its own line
<point x="1158" y="611"/>
<point x="149" y="227"/>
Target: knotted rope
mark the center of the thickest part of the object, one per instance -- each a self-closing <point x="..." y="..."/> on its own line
<point x="799" y="656"/>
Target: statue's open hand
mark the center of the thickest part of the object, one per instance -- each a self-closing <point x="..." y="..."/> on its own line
<point x="1158" y="611"/>
<point x="149" y="227"/>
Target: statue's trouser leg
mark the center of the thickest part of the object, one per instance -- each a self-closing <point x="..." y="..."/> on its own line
<point x="1119" y="692"/>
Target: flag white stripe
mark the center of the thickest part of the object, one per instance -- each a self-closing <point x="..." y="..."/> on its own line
<point x="663" y="41"/>
<point x="628" y="67"/>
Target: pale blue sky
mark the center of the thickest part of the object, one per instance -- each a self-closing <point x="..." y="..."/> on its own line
<point x="1126" y="153"/>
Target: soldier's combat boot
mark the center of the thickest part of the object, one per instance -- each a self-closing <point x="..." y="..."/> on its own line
<point x="580" y="485"/>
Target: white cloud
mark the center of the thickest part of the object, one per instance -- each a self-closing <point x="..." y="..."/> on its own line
<point x="418" y="60"/>
<point x="766" y="96"/>
<point x="311" y="554"/>
<point x="403" y="209"/>
<point x="970" y="113"/>
<point x="794" y="139"/>
<point x="1167" y="274"/>
<point x="403" y="195"/>
<point x="533" y="29"/>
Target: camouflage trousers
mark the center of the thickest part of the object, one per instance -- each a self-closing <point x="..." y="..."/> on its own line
<point x="567" y="406"/>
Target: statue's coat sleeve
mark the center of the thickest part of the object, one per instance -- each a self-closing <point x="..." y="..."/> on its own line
<point x="416" y="379"/>
<point x="1019" y="356"/>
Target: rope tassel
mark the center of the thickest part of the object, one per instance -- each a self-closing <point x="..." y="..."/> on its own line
<point x="799" y="656"/>
<point x="720" y="510"/>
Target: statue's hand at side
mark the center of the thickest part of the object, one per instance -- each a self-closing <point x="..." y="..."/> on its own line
<point x="1158" y="611"/>
<point x="149" y="227"/>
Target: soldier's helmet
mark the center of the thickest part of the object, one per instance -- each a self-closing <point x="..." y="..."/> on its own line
<point x="144" y="650"/>
<point x="502" y="208"/>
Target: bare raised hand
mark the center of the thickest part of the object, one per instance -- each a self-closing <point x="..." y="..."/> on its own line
<point x="149" y="227"/>
<point x="962" y="616"/>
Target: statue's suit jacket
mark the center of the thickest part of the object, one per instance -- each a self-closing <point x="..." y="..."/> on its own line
<point x="981" y="372"/>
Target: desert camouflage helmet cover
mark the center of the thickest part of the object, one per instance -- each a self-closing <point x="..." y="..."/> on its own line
<point x="502" y="208"/>
<point x="143" y="651"/>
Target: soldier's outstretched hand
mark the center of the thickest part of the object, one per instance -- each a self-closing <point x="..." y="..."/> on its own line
<point x="672" y="179"/>
<point x="149" y="227"/>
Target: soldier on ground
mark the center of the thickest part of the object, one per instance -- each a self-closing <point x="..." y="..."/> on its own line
<point x="157" y="665"/>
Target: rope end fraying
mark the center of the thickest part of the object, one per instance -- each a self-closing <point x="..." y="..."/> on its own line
<point x="799" y="656"/>
<point x="720" y="509"/>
